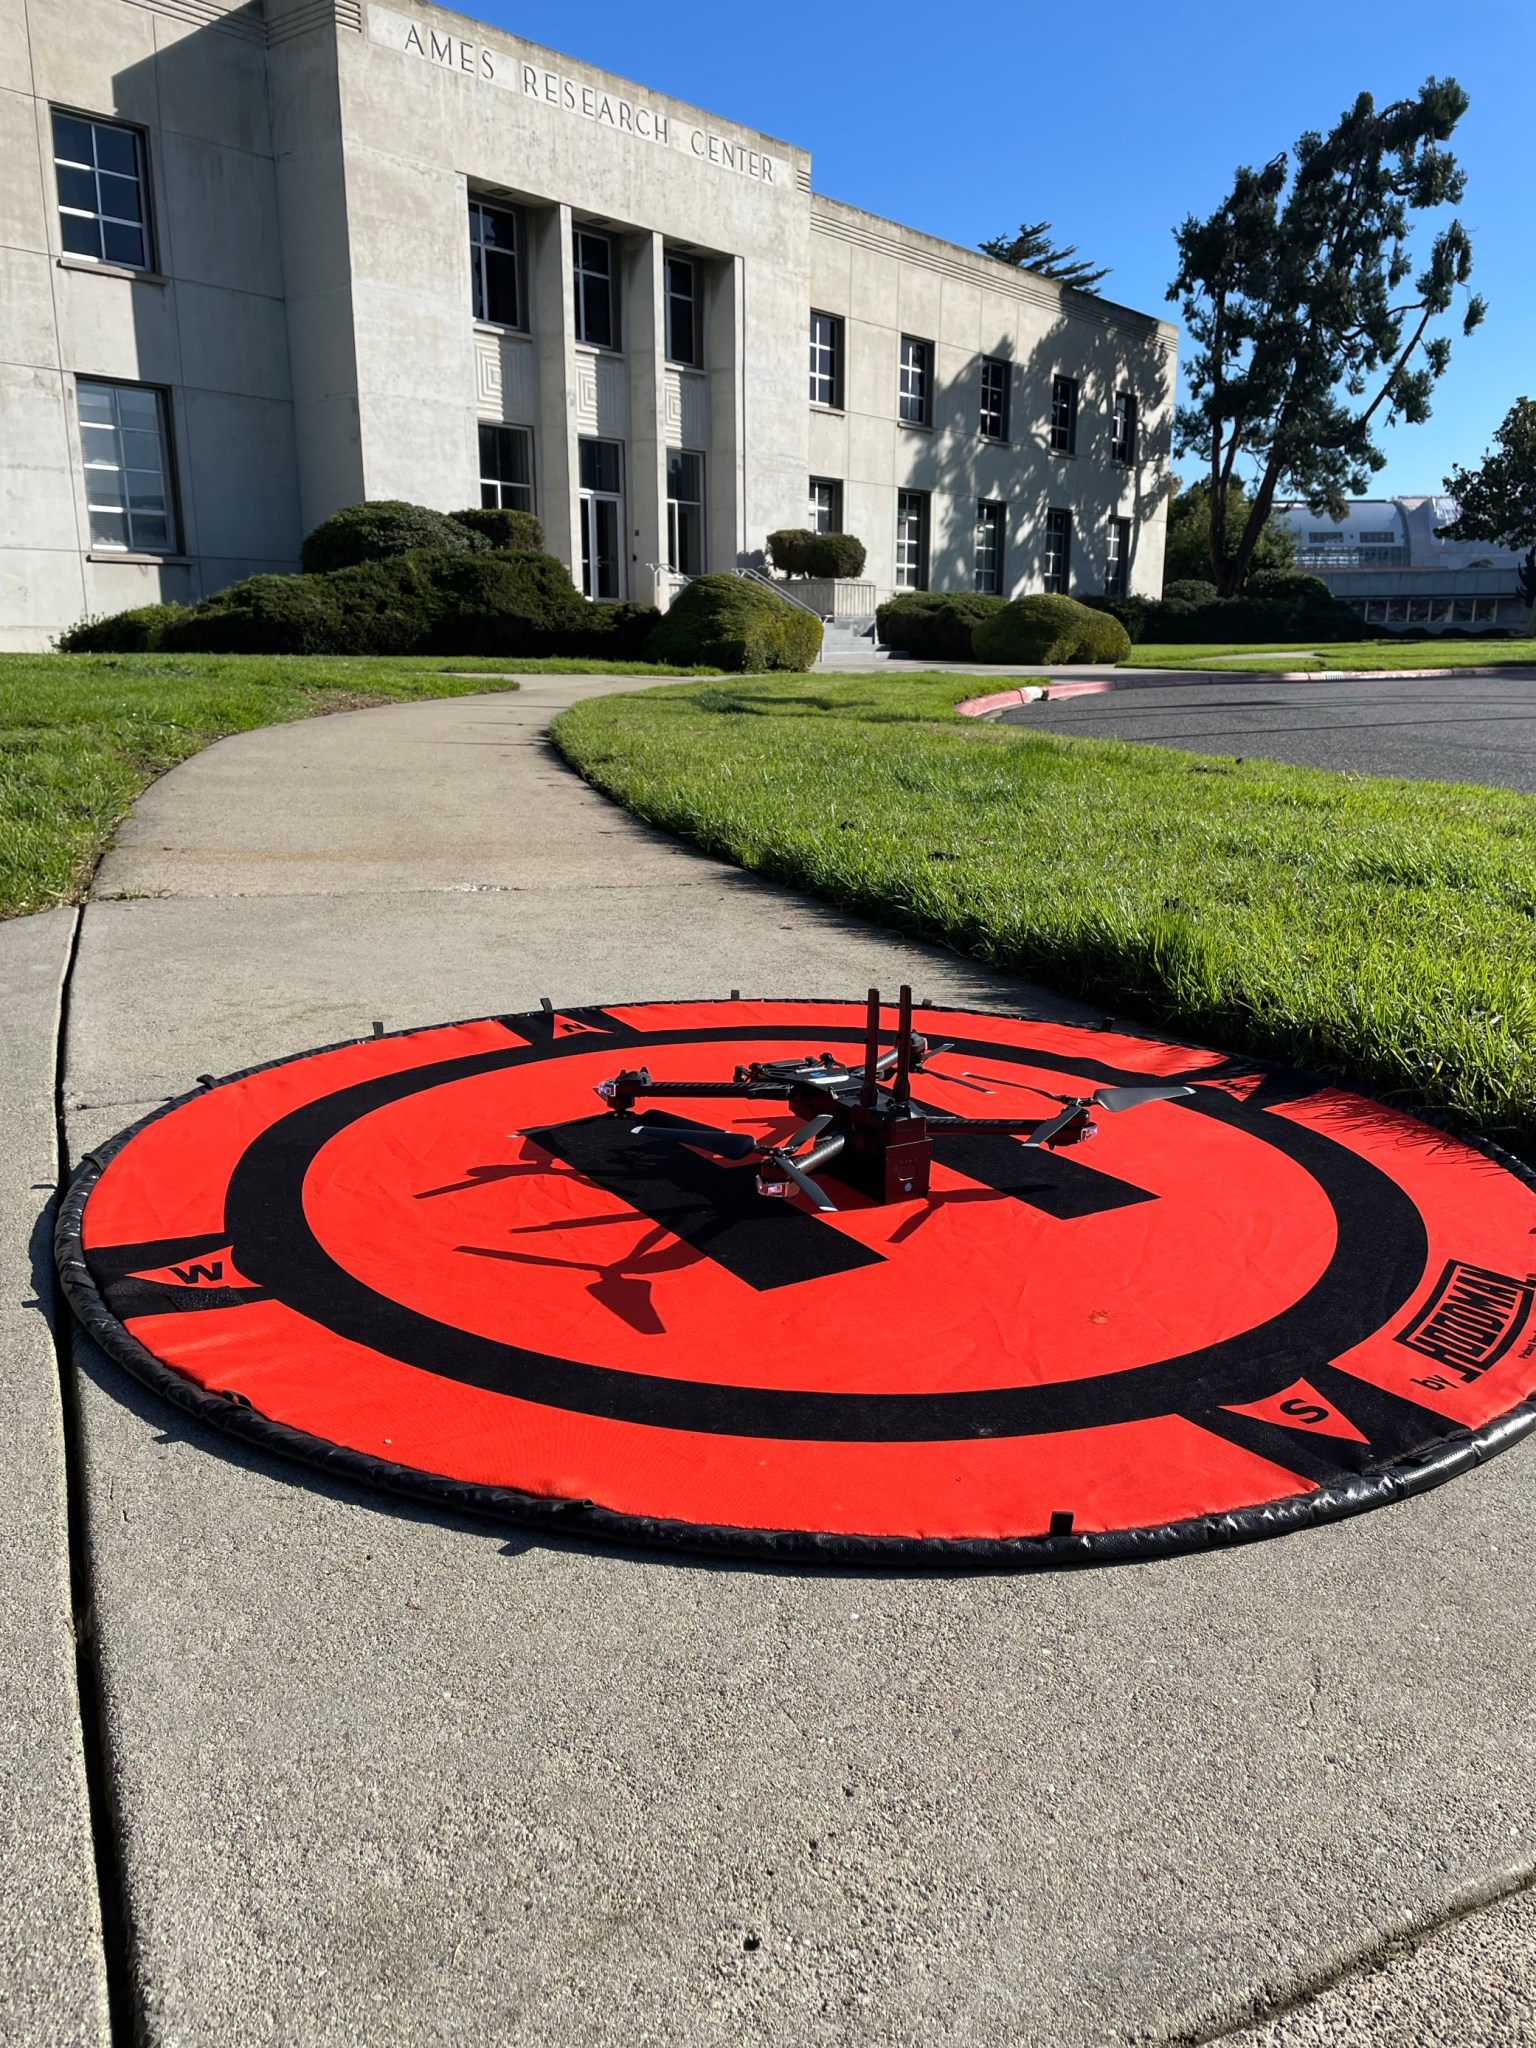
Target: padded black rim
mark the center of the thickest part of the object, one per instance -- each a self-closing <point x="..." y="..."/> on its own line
<point x="1398" y="1480"/>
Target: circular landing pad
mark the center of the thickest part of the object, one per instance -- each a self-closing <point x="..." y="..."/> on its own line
<point x="434" y="1263"/>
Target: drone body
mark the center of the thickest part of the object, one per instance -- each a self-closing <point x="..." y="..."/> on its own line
<point x="863" y="1117"/>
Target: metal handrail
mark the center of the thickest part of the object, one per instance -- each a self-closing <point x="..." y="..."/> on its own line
<point x="779" y="589"/>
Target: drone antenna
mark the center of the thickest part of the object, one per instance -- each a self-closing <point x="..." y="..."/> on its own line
<point x="901" y="1086"/>
<point x="871" y="1049"/>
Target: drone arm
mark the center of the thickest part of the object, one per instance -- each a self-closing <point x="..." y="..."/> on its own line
<point x="625" y="1090"/>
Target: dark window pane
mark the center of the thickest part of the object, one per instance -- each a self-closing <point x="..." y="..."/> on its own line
<point x="108" y="529"/>
<point x="120" y="197"/>
<point x="121" y="244"/>
<point x="77" y="187"/>
<point x="80" y="237"/>
<point x="501" y="288"/>
<point x="597" y="313"/>
<point x="150" y="530"/>
<point x="72" y="139"/>
<point x="115" y="149"/>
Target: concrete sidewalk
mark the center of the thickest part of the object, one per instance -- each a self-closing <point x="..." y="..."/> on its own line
<point x="386" y="1777"/>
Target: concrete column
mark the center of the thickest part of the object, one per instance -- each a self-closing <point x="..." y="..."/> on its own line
<point x="725" y="476"/>
<point x="645" y="345"/>
<point x="557" y="477"/>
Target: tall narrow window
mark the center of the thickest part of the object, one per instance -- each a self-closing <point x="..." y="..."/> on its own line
<point x="912" y="540"/>
<point x="1058" y="551"/>
<point x="495" y="265"/>
<point x="685" y="512"/>
<point x="597" y="308"/>
<point x="994" y="398"/>
<point x="1063" y="415"/>
<point x="1122" y="445"/>
<point x="990" y="515"/>
<point x="100" y="169"/>
<point x="126" y="451"/>
<point x="827" y="360"/>
<point x="506" y="467"/>
<point x="602" y="517"/>
<point x="683" y="324"/>
<point x="826" y="505"/>
<point x="1117" y="567"/>
<point x="916" y="395"/>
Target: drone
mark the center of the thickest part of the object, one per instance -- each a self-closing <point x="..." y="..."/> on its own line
<point x="863" y="1117"/>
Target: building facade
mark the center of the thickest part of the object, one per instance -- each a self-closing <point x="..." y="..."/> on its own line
<point x="261" y="261"/>
<point x="1388" y="559"/>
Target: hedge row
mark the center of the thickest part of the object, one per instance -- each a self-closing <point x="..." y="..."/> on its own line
<point x="1277" y="604"/>
<point x="486" y="593"/>
<point x="934" y="625"/>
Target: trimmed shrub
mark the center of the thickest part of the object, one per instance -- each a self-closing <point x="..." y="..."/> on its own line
<point x="131" y="632"/>
<point x="263" y="615"/>
<point x="796" y="551"/>
<point x="835" y="554"/>
<point x="509" y="532"/>
<point x="935" y="625"/>
<point x="385" y="527"/>
<point x="1189" y="590"/>
<point x="1050" y="630"/>
<point x="730" y="622"/>
<point x="612" y="632"/>
<point x="1286" y="586"/>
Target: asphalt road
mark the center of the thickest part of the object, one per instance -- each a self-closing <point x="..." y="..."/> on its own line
<point x="1481" y="729"/>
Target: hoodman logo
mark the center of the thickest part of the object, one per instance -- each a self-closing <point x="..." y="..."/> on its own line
<point x="1471" y="1319"/>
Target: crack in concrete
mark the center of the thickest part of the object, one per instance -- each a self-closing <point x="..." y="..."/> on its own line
<point x="110" y="1890"/>
<point x="1266" y="2003"/>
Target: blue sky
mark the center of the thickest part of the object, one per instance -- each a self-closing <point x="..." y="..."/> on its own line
<point x="1112" y="123"/>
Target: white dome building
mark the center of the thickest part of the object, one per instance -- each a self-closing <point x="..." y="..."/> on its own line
<point x="1388" y="560"/>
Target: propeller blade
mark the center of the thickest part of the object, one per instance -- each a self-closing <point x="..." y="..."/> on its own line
<point x="813" y="1129"/>
<point x="1127" y="1098"/>
<point x="1044" y="1133"/>
<point x="806" y="1185"/>
<point x="702" y="1137"/>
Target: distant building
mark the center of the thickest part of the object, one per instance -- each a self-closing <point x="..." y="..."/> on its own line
<point x="1387" y="560"/>
<point x="264" y="258"/>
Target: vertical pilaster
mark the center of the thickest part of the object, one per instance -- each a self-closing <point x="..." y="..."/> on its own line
<point x="725" y="480"/>
<point x="645" y="343"/>
<point x="558" y="479"/>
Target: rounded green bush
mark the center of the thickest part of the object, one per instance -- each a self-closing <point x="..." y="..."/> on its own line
<point x="613" y="632"/>
<point x="132" y="632"/>
<point x="796" y="551"/>
<point x="510" y="532"/>
<point x="1288" y="586"/>
<point x="1189" y="590"/>
<point x="1050" y="631"/>
<point x="935" y="625"/>
<point x="730" y="622"/>
<point x="385" y="527"/>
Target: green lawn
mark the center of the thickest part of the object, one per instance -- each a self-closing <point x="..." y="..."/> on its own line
<point x="1347" y="654"/>
<point x="81" y="735"/>
<point x="1380" y="928"/>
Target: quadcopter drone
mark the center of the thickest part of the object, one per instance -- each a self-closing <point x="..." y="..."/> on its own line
<point x="861" y="1116"/>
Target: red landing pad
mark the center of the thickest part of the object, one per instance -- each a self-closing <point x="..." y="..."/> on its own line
<point x="432" y="1262"/>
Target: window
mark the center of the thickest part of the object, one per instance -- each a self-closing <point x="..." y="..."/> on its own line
<point x="683" y="325"/>
<point x="916" y="408"/>
<point x="1063" y="415"/>
<point x="989" y="547"/>
<point x="1058" y="551"/>
<point x="826" y="506"/>
<point x="827" y="360"/>
<point x="101" y="175"/>
<point x="506" y="468"/>
<point x="127" y="467"/>
<point x="1117" y="567"/>
<point x="495" y="266"/>
<point x="994" y="398"/>
<point x="601" y="476"/>
<point x="1325" y="540"/>
<point x="912" y="540"/>
<point x="685" y="512"/>
<point x="1379" y="540"/>
<point x="597" y="311"/>
<point x="1122" y="445"/>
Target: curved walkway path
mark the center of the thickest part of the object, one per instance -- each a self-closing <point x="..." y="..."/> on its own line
<point x="385" y="1777"/>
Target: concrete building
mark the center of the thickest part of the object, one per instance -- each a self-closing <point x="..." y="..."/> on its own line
<point x="1388" y="560"/>
<point x="264" y="260"/>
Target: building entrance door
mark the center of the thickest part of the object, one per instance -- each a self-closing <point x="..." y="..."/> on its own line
<point x="602" y="519"/>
